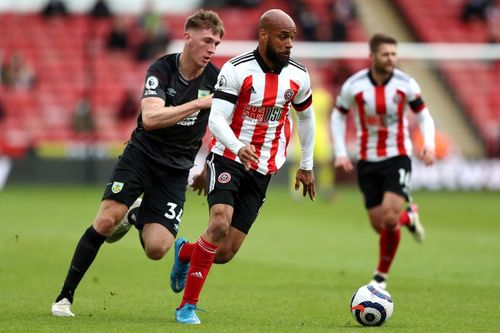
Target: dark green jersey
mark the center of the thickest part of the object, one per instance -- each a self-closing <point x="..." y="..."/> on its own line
<point x="175" y="146"/>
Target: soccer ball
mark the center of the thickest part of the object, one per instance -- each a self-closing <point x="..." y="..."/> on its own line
<point x="371" y="305"/>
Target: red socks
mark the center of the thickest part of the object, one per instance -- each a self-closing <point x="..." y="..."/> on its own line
<point x="389" y="241"/>
<point x="186" y="252"/>
<point x="202" y="258"/>
<point x="404" y="218"/>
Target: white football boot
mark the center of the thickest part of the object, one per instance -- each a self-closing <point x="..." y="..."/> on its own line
<point x="379" y="280"/>
<point x="416" y="228"/>
<point x="62" y="308"/>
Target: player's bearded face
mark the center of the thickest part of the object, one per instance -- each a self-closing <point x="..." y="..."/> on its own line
<point x="278" y="57"/>
<point x="384" y="60"/>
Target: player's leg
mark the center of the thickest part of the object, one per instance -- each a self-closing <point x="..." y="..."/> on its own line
<point x="184" y="250"/>
<point x="161" y="209"/>
<point x="398" y="181"/>
<point x="126" y="223"/>
<point x="393" y="173"/>
<point x="123" y="188"/>
<point x="232" y="243"/>
<point x="157" y="240"/>
<point x="202" y="258"/>
<point x="86" y="250"/>
<point x="410" y="218"/>
<point x="390" y="234"/>
<point x="253" y="190"/>
<point x="370" y="181"/>
<point x="223" y="181"/>
<point x="204" y="251"/>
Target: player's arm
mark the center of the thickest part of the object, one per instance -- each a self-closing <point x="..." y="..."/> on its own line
<point x="218" y="123"/>
<point x="338" y="128"/>
<point x="225" y="98"/>
<point x="425" y="123"/>
<point x="338" y="121"/>
<point x="427" y="128"/>
<point x="306" y="130"/>
<point x="156" y="115"/>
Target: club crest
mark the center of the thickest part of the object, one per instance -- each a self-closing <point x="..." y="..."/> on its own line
<point x="116" y="187"/>
<point x="224" y="178"/>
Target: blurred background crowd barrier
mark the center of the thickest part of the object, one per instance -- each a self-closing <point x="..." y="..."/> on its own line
<point x="71" y="76"/>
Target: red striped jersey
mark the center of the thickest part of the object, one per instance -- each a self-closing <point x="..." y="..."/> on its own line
<point x="381" y="125"/>
<point x="262" y="100"/>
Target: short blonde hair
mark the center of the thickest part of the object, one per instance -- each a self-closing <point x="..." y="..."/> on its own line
<point x="205" y="19"/>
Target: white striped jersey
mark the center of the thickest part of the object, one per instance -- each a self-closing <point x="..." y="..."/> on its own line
<point x="381" y="125"/>
<point x="262" y="101"/>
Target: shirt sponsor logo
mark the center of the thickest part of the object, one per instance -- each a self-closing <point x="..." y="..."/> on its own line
<point x="150" y="92"/>
<point x="116" y="187"/>
<point x="151" y="83"/>
<point x="381" y="120"/>
<point x="263" y="113"/>
<point x="189" y="120"/>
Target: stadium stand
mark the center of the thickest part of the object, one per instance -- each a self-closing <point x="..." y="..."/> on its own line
<point x="69" y="55"/>
<point x="476" y="84"/>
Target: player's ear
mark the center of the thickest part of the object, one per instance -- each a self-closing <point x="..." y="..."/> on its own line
<point x="263" y="35"/>
<point x="187" y="38"/>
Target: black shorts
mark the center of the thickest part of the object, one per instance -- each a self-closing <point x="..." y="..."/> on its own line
<point x="164" y="188"/>
<point x="229" y="183"/>
<point x="391" y="175"/>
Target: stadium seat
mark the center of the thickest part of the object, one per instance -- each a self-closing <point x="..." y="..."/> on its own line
<point x="475" y="83"/>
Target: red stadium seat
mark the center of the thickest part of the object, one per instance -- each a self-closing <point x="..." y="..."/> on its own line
<point x="475" y="84"/>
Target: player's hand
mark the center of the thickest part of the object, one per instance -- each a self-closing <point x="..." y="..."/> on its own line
<point x="199" y="182"/>
<point x="206" y="101"/>
<point x="247" y="156"/>
<point x="427" y="156"/>
<point x="344" y="162"/>
<point x="306" y="177"/>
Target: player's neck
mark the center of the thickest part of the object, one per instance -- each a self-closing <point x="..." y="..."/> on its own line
<point x="188" y="69"/>
<point x="380" y="78"/>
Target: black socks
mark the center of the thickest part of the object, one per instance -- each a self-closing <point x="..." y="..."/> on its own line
<point x="84" y="255"/>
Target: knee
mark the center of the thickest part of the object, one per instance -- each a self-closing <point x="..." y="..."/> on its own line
<point x="220" y="222"/>
<point x="155" y="251"/>
<point x="104" y="225"/>
<point x="223" y="256"/>
<point x="391" y="218"/>
<point x="377" y="227"/>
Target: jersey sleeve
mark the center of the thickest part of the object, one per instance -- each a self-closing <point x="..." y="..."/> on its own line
<point x="303" y="98"/>
<point x="153" y="85"/>
<point x="228" y="84"/>
<point x="345" y="98"/>
<point x="414" y="96"/>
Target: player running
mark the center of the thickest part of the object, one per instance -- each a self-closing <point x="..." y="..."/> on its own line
<point x="380" y="96"/>
<point x="251" y="123"/>
<point x="174" y="114"/>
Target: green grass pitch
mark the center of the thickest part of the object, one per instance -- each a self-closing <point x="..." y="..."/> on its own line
<point x="296" y="271"/>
